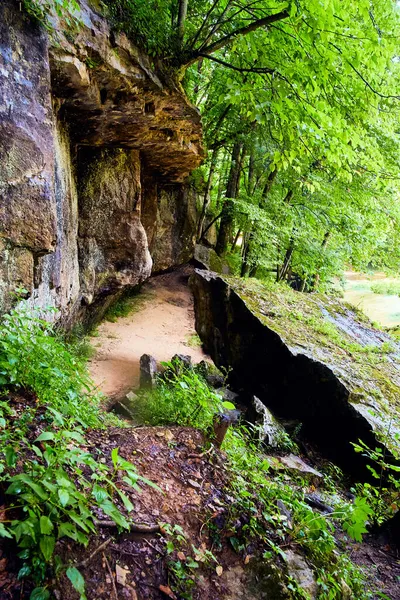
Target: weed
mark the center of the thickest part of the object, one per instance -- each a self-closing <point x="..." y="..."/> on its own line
<point x="194" y="341"/>
<point x="181" y="397"/>
<point x="184" y="559"/>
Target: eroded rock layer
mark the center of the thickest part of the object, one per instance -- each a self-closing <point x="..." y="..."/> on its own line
<point x="309" y="359"/>
<point x="94" y="150"/>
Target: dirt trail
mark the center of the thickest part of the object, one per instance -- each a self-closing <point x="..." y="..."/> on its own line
<point x="162" y="327"/>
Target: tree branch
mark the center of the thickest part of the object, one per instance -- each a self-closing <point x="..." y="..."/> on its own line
<point x="240" y="69"/>
<point x="370" y="86"/>
<point x="227" y="39"/>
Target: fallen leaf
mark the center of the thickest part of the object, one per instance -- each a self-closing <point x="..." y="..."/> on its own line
<point x="168" y="435"/>
<point x="247" y="559"/>
<point x="181" y="556"/>
<point x="121" y="575"/>
<point x="219" y="570"/>
<point x="194" y="483"/>
<point x="165" y="589"/>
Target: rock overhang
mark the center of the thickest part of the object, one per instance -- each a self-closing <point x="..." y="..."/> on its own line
<point x="112" y="95"/>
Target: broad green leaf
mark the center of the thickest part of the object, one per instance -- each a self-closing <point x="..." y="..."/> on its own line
<point x="63" y="496"/>
<point x="3" y="532"/>
<point x="46" y="436"/>
<point x="77" y="581"/>
<point x="47" y="543"/>
<point x="40" y="593"/>
<point x="46" y="526"/>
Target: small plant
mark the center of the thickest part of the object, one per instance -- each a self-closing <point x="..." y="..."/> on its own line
<point x="194" y="341"/>
<point x="182" y="397"/>
<point x="184" y="559"/>
<point x="384" y="498"/>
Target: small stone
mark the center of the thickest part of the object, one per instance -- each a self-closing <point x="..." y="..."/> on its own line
<point x="302" y="573"/>
<point x="185" y="359"/>
<point x="148" y="371"/>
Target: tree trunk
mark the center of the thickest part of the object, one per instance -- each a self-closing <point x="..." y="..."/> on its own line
<point x="235" y="241"/>
<point x="283" y="271"/>
<point x="231" y="192"/>
<point x="182" y="13"/>
<point x="206" y="200"/>
<point x="246" y="270"/>
<point x="316" y="277"/>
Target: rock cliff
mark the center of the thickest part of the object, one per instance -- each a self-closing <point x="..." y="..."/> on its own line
<point x="94" y="153"/>
<point x="309" y="358"/>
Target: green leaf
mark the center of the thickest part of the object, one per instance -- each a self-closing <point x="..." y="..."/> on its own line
<point x="63" y="496"/>
<point x="99" y="493"/>
<point x="39" y="491"/>
<point x="46" y="544"/>
<point x="228" y="405"/>
<point x="46" y="526"/>
<point x="40" y="593"/>
<point x="127" y="503"/>
<point x="74" y="435"/>
<point x="37" y="451"/>
<point x="77" y="581"/>
<point x="11" y="457"/>
<point x="24" y="572"/>
<point x="46" y="436"/>
<point x="3" y="532"/>
<point x="68" y="530"/>
<point x="114" y="456"/>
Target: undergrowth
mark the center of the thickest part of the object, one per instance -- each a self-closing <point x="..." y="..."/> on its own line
<point x="252" y="518"/>
<point x="181" y="397"/>
<point x="54" y="487"/>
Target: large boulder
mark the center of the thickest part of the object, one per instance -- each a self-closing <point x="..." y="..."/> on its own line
<point x="308" y="358"/>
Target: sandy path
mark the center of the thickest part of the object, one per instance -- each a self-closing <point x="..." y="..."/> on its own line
<point x="162" y="327"/>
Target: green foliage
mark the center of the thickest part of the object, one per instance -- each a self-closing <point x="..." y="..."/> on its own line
<point x="184" y="559"/>
<point x="32" y="356"/>
<point x="125" y="306"/>
<point x="384" y="497"/>
<point x="181" y="397"/>
<point x="391" y="288"/>
<point x="252" y="516"/>
<point x="55" y="487"/>
<point x="41" y="10"/>
<point x="194" y="341"/>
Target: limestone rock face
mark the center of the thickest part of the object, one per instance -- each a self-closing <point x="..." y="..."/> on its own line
<point x="112" y="241"/>
<point x="277" y="346"/>
<point x="94" y="147"/>
<point x="27" y="207"/>
<point x="169" y="215"/>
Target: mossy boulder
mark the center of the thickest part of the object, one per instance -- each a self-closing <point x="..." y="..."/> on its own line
<point x="308" y="358"/>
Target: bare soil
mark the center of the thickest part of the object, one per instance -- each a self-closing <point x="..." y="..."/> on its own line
<point x="161" y="326"/>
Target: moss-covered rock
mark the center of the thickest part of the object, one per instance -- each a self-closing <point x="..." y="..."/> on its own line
<point x="306" y="356"/>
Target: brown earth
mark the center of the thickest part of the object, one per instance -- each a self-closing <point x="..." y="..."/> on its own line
<point x="161" y="326"/>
